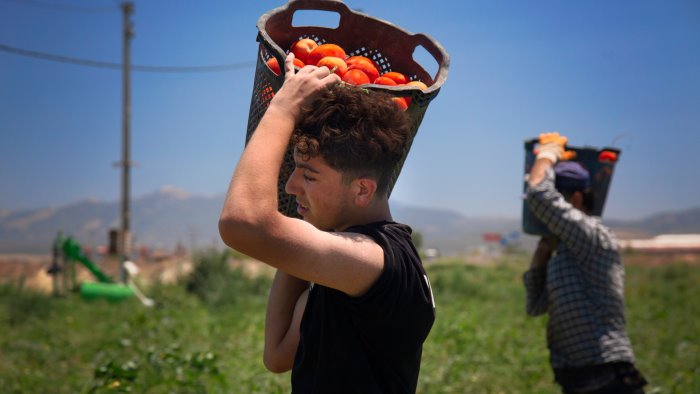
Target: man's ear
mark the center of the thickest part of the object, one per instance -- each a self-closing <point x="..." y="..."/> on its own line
<point x="364" y="190"/>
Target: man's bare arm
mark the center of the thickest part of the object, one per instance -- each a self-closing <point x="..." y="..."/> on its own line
<point x="543" y="252"/>
<point x="285" y="309"/>
<point x="250" y="221"/>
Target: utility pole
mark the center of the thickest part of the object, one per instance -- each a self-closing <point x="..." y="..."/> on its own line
<point x="125" y="238"/>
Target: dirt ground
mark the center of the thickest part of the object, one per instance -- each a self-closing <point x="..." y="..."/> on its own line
<point x="31" y="270"/>
<point x="654" y="259"/>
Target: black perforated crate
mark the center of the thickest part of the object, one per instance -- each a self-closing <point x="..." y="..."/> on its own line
<point x="389" y="46"/>
<point x="600" y="163"/>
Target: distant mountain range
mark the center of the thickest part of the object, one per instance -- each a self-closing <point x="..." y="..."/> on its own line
<point x="679" y="222"/>
<point x="160" y="220"/>
<point x="164" y="218"/>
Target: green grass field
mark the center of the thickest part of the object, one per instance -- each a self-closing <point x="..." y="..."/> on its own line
<point x="205" y="335"/>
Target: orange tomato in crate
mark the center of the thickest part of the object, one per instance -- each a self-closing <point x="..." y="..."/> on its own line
<point x="325" y="50"/>
<point x="355" y="76"/>
<point x="568" y="155"/>
<point x="365" y="65"/>
<point x="266" y="94"/>
<point x="335" y="64"/>
<point x="396" y="77"/>
<point x="400" y="102"/>
<point x="385" y="81"/>
<point x="274" y="65"/>
<point x="419" y="84"/>
<point x="302" y="48"/>
<point x="353" y="59"/>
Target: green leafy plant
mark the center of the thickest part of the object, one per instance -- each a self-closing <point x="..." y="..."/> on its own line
<point x="170" y="368"/>
<point x="24" y="304"/>
<point x="215" y="283"/>
<point x="482" y="340"/>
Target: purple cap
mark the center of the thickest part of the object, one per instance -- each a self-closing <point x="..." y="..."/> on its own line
<point x="571" y="176"/>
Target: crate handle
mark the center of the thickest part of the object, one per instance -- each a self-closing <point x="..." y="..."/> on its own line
<point x="317" y="5"/>
<point x="420" y="39"/>
<point x="286" y="12"/>
<point x="439" y="54"/>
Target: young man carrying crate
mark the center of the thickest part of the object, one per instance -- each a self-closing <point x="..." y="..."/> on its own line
<point x="350" y="305"/>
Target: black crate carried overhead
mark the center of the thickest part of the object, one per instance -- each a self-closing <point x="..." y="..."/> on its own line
<point x="389" y="46"/>
<point x="600" y="163"/>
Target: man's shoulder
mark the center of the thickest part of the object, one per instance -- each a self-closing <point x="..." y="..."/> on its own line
<point x="607" y="235"/>
<point x="389" y="235"/>
<point x="384" y="226"/>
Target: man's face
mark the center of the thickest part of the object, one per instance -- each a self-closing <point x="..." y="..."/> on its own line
<point x="323" y="199"/>
<point x="575" y="199"/>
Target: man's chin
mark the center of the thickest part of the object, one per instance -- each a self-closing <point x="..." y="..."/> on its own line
<point x="317" y="225"/>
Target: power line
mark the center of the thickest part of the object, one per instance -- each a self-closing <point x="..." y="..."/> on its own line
<point x="64" y="7"/>
<point x="118" y="66"/>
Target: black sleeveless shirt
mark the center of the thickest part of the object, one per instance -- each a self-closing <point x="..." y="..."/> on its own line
<point x="372" y="343"/>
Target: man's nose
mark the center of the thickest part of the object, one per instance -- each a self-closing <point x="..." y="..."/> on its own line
<point x="291" y="186"/>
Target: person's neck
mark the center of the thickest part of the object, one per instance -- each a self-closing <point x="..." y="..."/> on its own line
<point x="377" y="211"/>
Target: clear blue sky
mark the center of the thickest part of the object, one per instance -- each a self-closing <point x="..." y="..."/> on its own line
<point x="623" y="72"/>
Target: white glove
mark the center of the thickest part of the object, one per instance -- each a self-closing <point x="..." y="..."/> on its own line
<point x="551" y="146"/>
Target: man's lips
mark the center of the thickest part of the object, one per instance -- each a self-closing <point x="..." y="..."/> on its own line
<point x="301" y="209"/>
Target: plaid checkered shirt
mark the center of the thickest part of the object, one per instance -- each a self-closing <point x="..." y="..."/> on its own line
<point x="581" y="287"/>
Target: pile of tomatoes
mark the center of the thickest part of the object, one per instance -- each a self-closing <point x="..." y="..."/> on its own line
<point x="354" y="70"/>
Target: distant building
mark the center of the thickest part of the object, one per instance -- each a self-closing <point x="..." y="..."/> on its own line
<point x="431" y="254"/>
<point x="666" y="243"/>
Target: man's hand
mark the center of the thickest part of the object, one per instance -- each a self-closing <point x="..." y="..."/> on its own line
<point x="251" y="203"/>
<point x="298" y="88"/>
<point x="550" y="150"/>
<point x="551" y="146"/>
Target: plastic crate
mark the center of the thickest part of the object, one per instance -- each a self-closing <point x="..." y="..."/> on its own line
<point x="388" y="45"/>
<point x="601" y="172"/>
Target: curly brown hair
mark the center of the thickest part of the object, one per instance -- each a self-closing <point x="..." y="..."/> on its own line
<point x="356" y="131"/>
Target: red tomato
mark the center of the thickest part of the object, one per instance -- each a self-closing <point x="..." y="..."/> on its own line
<point x="353" y="59"/>
<point x="355" y="77"/>
<point x="265" y="96"/>
<point x="302" y="48"/>
<point x="335" y="64"/>
<point x="299" y="63"/>
<point x="396" y="76"/>
<point x="274" y="65"/>
<point x="607" y="156"/>
<point x="325" y="50"/>
<point x="385" y="81"/>
<point x="400" y="102"/>
<point x="365" y="65"/>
